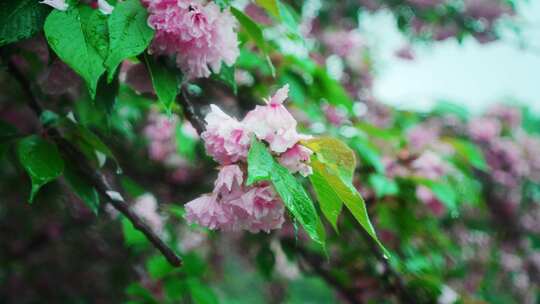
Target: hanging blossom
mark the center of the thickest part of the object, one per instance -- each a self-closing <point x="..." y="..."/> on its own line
<point x="431" y="166"/>
<point x="200" y="35"/>
<point x="232" y="205"/>
<point x="57" y="4"/>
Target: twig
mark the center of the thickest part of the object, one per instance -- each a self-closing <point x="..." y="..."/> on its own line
<point x="96" y="179"/>
<point x="189" y="110"/>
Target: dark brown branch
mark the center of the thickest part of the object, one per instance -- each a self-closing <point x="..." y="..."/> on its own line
<point x="189" y="110"/>
<point x="96" y="179"/>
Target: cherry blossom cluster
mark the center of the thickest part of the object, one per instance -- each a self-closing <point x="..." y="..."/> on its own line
<point x="503" y="153"/>
<point x="232" y="205"/>
<point x="200" y="35"/>
<point x="162" y="145"/>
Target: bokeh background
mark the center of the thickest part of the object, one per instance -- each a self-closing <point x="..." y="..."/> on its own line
<point x="439" y="99"/>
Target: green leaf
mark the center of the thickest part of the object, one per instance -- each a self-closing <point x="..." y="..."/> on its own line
<point x="158" y="267"/>
<point x="348" y="194"/>
<point x="97" y="31"/>
<point x="132" y="236"/>
<point x="105" y="99"/>
<point x="135" y="290"/>
<point x="82" y="188"/>
<point x="226" y="75"/>
<point x="255" y="32"/>
<point x="382" y="185"/>
<point x="469" y="152"/>
<point x="287" y="16"/>
<point x="185" y="144"/>
<point x="201" y="293"/>
<point x="334" y="153"/>
<point x="337" y="154"/>
<point x="260" y="163"/>
<point x="21" y="19"/>
<point x="129" y="33"/>
<point x="165" y="82"/>
<point x="331" y="205"/>
<point x="72" y="34"/>
<point x="262" y="166"/>
<point x="41" y="160"/>
<point x="271" y="6"/>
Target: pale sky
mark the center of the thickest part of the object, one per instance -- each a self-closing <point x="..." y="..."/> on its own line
<point x="471" y="74"/>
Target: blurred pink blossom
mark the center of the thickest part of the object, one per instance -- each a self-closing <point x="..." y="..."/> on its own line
<point x="58" y="79"/>
<point x="426" y="196"/>
<point x="488" y="10"/>
<point x="422" y="136"/>
<point x="484" y="129"/>
<point x="335" y="115"/>
<point x="430" y="165"/>
<point x="146" y="207"/>
<point x="506" y="162"/>
<point x="199" y="35"/>
<point x="509" y="116"/>
<point x="296" y="159"/>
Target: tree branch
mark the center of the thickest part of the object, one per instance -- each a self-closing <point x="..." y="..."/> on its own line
<point x="189" y="110"/>
<point x="96" y="179"/>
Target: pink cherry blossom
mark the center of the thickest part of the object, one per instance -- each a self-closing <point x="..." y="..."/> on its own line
<point x="509" y="116"/>
<point x="484" y="129"/>
<point x="273" y="123"/>
<point x="146" y="207"/>
<point x="57" y="4"/>
<point x="335" y="115"/>
<point x="232" y="206"/>
<point x="429" y="165"/>
<point x="217" y="210"/>
<point x="263" y="207"/>
<point x="208" y="212"/>
<point x="201" y="36"/>
<point x="422" y="136"/>
<point x="427" y="197"/>
<point x="225" y="138"/>
<point x="227" y="177"/>
<point x="296" y="159"/>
